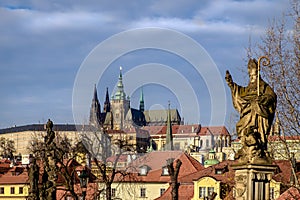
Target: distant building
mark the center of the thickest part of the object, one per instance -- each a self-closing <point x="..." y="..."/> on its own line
<point x="194" y="139"/>
<point x="23" y="136"/>
<point x="118" y="114"/>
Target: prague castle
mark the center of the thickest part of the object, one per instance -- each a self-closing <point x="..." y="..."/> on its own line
<point x="119" y="115"/>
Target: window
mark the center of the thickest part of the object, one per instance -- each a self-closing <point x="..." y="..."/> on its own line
<point x="143" y="171"/>
<point x="207" y="143"/>
<point x="165" y="171"/>
<point x="162" y="190"/>
<point x="1" y="190"/>
<point x="210" y="190"/>
<point x="113" y="192"/>
<point x="272" y="193"/>
<point x="143" y="192"/>
<point x="12" y="190"/>
<point x="20" y="190"/>
<point x="202" y="192"/>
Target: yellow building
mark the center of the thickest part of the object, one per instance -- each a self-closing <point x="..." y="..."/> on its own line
<point x="14" y="184"/>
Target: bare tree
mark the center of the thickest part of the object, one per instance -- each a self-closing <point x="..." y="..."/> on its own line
<point x="281" y="43"/>
<point x="101" y="146"/>
<point x="7" y="148"/>
<point x="57" y="158"/>
<point x="173" y="173"/>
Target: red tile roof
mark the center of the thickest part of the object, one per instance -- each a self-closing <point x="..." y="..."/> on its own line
<point x="10" y="178"/>
<point x="187" y="130"/>
<point x="226" y="177"/>
<point x="185" y="192"/>
<point x="284" y="172"/>
<point x="283" y="138"/>
<point x="156" y="161"/>
<point x="291" y="194"/>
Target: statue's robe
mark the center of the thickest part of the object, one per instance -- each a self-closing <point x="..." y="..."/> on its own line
<point x="256" y="113"/>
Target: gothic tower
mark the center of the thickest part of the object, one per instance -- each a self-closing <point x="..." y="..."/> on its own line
<point x="142" y="104"/>
<point x="95" y="110"/>
<point x="169" y="136"/>
<point x="120" y="105"/>
<point x="106" y="107"/>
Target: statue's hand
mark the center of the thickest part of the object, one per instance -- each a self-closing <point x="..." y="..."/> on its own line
<point x="228" y="79"/>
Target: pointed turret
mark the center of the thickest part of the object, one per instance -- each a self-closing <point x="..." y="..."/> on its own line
<point x="95" y="110"/>
<point x="142" y="104"/>
<point x="106" y="107"/>
<point x="120" y="94"/>
<point x="169" y="135"/>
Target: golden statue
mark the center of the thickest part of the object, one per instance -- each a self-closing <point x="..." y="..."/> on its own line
<point x="256" y="104"/>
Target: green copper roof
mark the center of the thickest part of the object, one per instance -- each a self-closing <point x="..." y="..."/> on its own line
<point x="120" y="94"/>
<point x="142" y="96"/>
<point x="211" y="162"/>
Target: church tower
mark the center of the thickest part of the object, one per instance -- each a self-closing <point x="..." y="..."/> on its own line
<point x="120" y="105"/>
<point x="169" y="136"/>
<point x="95" y="111"/>
<point x="142" y="104"/>
<point x="106" y="107"/>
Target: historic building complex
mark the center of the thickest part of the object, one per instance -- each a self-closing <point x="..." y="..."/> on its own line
<point x="206" y="152"/>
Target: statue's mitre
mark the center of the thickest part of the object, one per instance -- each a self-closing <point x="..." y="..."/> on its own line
<point x="252" y="64"/>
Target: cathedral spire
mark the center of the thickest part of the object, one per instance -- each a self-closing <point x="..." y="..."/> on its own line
<point x="169" y="136"/>
<point x="95" y="110"/>
<point x="142" y="104"/>
<point x="106" y="107"/>
<point x="95" y="97"/>
<point x="120" y="94"/>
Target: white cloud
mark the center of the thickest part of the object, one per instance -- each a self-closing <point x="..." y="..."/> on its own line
<point x="193" y="25"/>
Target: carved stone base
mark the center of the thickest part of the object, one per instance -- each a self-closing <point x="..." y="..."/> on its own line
<point x="252" y="181"/>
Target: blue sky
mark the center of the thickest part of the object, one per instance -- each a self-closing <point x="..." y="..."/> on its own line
<point x="43" y="45"/>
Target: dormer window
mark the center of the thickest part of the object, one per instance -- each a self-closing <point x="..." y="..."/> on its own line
<point x="144" y="170"/>
<point x="165" y="171"/>
<point x="221" y="170"/>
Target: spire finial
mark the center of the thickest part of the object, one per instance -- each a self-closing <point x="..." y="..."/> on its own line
<point x="120" y="94"/>
<point x="120" y="76"/>
<point x="95" y="93"/>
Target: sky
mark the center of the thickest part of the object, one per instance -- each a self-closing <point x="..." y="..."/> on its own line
<point x="52" y="53"/>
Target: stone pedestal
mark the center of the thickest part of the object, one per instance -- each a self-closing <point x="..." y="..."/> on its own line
<point x="252" y="181"/>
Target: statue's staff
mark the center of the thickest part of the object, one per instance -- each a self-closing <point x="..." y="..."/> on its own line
<point x="266" y="62"/>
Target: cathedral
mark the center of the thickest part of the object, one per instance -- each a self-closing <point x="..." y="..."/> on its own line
<point x="117" y="113"/>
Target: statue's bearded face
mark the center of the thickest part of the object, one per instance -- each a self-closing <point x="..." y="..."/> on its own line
<point x="252" y="75"/>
